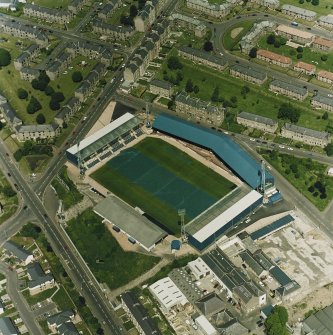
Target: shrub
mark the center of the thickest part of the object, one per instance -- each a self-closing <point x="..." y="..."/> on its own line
<point x="22" y="93"/>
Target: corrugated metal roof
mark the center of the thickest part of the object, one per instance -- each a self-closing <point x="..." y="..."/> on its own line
<point x="271" y="228"/>
<point x="223" y="146"/>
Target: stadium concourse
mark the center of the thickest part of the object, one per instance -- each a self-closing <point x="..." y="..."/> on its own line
<point x="235" y="206"/>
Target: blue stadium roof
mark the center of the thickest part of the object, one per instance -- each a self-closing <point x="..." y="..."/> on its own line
<point x="243" y="165"/>
<point x="274" y="226"/>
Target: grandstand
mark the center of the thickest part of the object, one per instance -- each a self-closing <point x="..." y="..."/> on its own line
<point x="105" y="142"/>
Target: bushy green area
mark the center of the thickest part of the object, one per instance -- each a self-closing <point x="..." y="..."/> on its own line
<point x="69" y="195"/>
<point x="106" y="259"/>
<point x="8" y="199"/>
<point x="308" y="176"/>
<point x="159" y="199"/>
<point x="61" y="277"/>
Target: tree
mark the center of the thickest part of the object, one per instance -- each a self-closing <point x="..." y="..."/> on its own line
<point x="325" y="116"/>
<point x="33" y="105"/>
<point x="189" y="86"/>
<point x="288" y="112"/>
<point x="276" y="321"/>
<point x="208" y="46"/>
<point x="301" y="2"/>
<point x="299" y="49"/>
<point x="329" y="149"/>
<point x="253" y="53"/>
<point x="277" y="44"/>
<point x="324" y="58"/>
<point x="58" y="96"/>
<point x="22" y="93"/>
<point x="174" y="63"/>
<point x="299" y="56"/>
<point x="49" y="90"/>
<point x="133" y="11"/>
<point x="141" y="3"/>
<point x="270" y="39"/>
<point x="77" y="76"/>
<point x="30" y="230"/>
<point x="54" y="105"/>
<point x="40" y="118"/>
<point x="215" y="94"/>
<point x="5" y="57"/>
<point x="196" y="89"/>
<point x="245" y="90"/>
<point x="315" y="2"/>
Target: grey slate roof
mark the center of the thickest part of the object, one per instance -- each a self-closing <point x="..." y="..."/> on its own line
<point x="233" y="327"/>
<point x="323" y="99"/>
<point x="306" y="131"/>
<point x="249" y="72"/>
<point x="263" y="260"/>
<point x="161" y="83"/>
<point x="247" y="257"/>
<point x="35" y="128"/>
<point x="7" y="327"/>
<point x="257" y="118"/>
<point x="140" y="314"/>
<point x="111" y="27"/>
<point x="197" y="103"/>
<point x="298" y="10"/>
<point x="290" y="87"/>
<point x="10" y="113"/>
<point x="17" y="250"/>
<point x="37" y="275"/>
<point x="210" y="304"/>
<point x="60" y="318"/>
<point x="68" y="328"/>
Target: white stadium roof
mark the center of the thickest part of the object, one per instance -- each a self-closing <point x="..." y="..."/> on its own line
<point x="228" y="215"/>
<point x="167" y="293"/>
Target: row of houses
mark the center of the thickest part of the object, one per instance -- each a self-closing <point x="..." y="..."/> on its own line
<point x="213" y="10"/>
<point x="148" y="50"/>
<point x="116" y="32"/>
<point x="60" y="63"/>
<point x="189" y="23"/>
<point x="62" y="323"/>
<point x="107" y="9"/>
<point x="296" y="133"/>
<point x="17" y="29"/>
<point x="61" y="16"/>
<point x="26" y="57"/>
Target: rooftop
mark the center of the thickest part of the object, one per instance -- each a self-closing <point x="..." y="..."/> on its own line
<point x="7" y="327"/>
<point x="323" y="41"/>
<point x="274" y="56"/>
<point x="323" y="99"/>
<point x="298" y="10"/>
<point x="289" y="87"/>
<point x="320" y="323"/>
<point x="305" y="66"/>
<point x="325" y="74"/>
<point x="257" y="118"/>
<point x="249" y="72"/>
<point x="17" y="250"/>
<point x="306" y="131"/>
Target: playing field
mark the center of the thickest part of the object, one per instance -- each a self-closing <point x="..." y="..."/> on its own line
<point x="160" y="179"/>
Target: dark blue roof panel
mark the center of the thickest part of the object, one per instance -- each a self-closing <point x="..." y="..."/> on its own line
<point x="243" y="165"/>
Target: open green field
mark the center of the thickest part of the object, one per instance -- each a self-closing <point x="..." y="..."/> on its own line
<point x="308" y="176"/>
<point x="10" y="82"/>
<point x="51" y="4"/>
<point x="160" y="179"/>
<point x="309" y="55"/>
<point x="325" y="6"/>
<point x="239" y="30"/>
<point x="106" y="259"/>
<point x="258" y="101"/>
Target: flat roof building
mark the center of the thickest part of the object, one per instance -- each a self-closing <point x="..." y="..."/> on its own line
<point x="130" y="222"/>
<point x="205" y="327"/>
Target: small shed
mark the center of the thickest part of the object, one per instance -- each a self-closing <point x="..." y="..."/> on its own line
<point x="175" y="245"/>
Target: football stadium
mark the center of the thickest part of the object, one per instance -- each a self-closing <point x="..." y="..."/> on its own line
<point x="150" y="176"/>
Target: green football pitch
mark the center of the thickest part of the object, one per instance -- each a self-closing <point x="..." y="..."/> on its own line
<point x="160" y="179"/>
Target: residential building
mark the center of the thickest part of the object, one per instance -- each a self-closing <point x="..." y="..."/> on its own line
<point x="274" y="58"/>
<point x="23" y="256"/>
<point x="248" y="74"/>
<point x="61" y="63"/>
<point x="67" y="111"/>
<point x="249" y="40"/>
<point x="76" y="5"/>
<point x="320" y="101"/>
<point x="325" y="76"/>
<point x="326" y="21"/>
<point x="272" y="4"/>
<point x="107" y="9"/>
<point x="198" y="110"/>
<point x="7" y="327"/>
<point x="204" y="326"/>
<point x="306" y="135"/>
<point x="9" y="114"/>
<point x="2" y="307"/>
<point x="161" y="87"/>
<point x="306" y="68"/>
<point x="116" y="32"/>
<point x="190" y="23"/>
<point x="62" y="323"/>
<point x="38" y="280"/>
<point x="138" y="314"/>
<point x="319" y="322"/>
<point x="298" y="13"/>
<point x="258" y="122"/>
<point x="322" y="44"/>
<point x="166" y="292"/>
<point x="29" y="74"/>
<point x="37" y="132"/>
<point x="297" y="35"/>
<point x="290" y="90"/>
<point x="26" y="57"/>
<point x="203" y="57"/>
<point x="144" y="20"/>
<point x="22" y="31"/>
<point x="8" y="4"/>
<point x="48" y="14"/>
<point x="217" y="11"/>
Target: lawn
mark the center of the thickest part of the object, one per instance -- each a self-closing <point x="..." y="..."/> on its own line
<point x="309" y="55"/>
<point x="51" y="4"/>
<point x="160" y="179"/>
<point x="8" y="199"/>
<point x="106" y="259"/>
<point x="325" y="6"/>
<point x="63" y="300"/>
<point x="308" y="176"/>
<point x="258" y="101"/>
<point x="34" y="299"/>
<point x="230" y="42"/>
<point x="66" y="190"/>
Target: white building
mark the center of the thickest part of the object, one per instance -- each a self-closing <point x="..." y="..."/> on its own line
<point x="205" y="327"/>
<point x="199" y="268"/>
<point x="166" y="292"/>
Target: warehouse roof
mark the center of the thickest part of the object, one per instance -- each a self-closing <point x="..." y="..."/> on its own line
<point x="273" y="227"/>
<point x="223" y="146"/>
<point x="105" y="135"/>
<point x="130" y="221"/>
<point x="320" y="323"/>
<point x="257" y="118"/>
<point x="306" y="131"/>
